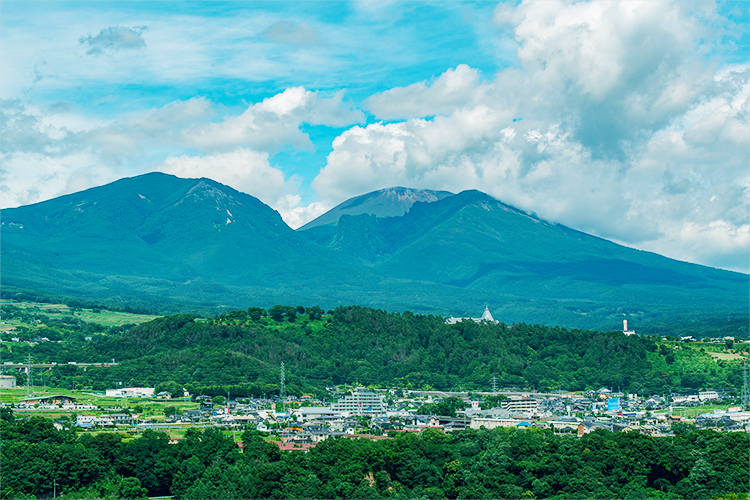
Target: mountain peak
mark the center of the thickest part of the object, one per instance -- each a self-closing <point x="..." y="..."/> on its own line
<point x="388" y="202"/>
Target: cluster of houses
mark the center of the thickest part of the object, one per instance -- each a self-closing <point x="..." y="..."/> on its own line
<point x="304" y="426"/>
<point x="307" y="421"/>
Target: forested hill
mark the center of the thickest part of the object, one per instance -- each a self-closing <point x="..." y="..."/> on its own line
<point x="362" y="345"/>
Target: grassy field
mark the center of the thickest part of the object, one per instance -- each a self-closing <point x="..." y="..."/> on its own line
<point x="102" y="317"/>
<point x="726" y="355"/>
<point x="147" y="407"/>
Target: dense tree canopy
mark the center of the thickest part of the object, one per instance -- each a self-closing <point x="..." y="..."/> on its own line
<point x="239" y="352"/>
<point x="498" y="463"/>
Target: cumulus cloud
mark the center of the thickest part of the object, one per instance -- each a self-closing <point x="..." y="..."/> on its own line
<point x="626" y="131"/>
<point x="27" y="177"/>
<point x="275" y="122"/>
<point x="243" y="169"/>
<point x="452" y="90"/>
<point x="250" y="172"/>
<point x="114" y="39"/>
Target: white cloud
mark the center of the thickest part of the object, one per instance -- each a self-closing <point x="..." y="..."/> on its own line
<point x="243" y="169"/>
<point x="274" y="122"/>
<point x="452" y="90"/>
<point x="236" y="149"/>
<point x="626" y="131"/>
<point x="27" y="177"/>
<point x="250" y="172"/>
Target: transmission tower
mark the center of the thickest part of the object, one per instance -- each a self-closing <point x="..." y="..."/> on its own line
<point x="745" y="395"/>
<point x="494" y="383"/>
<point x="282" y="389"/>
<point x="29" y="379"/>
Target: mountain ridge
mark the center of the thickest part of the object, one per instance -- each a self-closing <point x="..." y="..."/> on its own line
<point x="196" y="243"/>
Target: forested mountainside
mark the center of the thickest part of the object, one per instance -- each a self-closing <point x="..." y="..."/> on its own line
<point x="160" y="243"/>
<point x="242" y="351"/>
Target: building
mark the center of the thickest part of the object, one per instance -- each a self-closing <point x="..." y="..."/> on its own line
<point x="491" y="423"/>
<point x="625" y="328"/>
<point x="7" y="381"/>
<point x="486" y="316"/>
<point x="362" y="402"/>
<point x="49" y="400"/>
<point x="307" y="413"/>
<point x="706" y="395"/>
<point x="131" y="392"/>
<point x="521" y="405"/>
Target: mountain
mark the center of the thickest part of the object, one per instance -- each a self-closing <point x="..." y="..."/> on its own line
<point x="471" y="241"/>
<point x="174" y="244"/>
<point x="390" y="202"/>
<point x="161" y="238"/>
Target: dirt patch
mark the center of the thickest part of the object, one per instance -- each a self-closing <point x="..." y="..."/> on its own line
<point x="725" y="355"/>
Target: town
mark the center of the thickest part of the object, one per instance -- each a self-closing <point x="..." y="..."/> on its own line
<point x="300" y="423"/>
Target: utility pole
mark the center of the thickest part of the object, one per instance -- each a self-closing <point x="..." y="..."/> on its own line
<point x="745" y="395"/>
<point x="29" y="380"/>
<point x="282" y="389"/>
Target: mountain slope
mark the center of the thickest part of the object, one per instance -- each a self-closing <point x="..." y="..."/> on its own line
<point x="389" y="202"/>
<point x="195" y="244"/>
<point x="157" y="234"/>
<point x="473" y="242"/>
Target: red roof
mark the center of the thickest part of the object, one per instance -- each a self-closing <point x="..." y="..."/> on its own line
<point x="290" y="446"/>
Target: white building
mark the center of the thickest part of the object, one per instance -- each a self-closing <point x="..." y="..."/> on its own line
<point x="491" y="423"/>
<point x="521" y="405"/>
<point x="486" y="316"/>
<point x="307" y="413"/>
<point x="7" y="381"/>
<point x="362" y="402"/>
<point x="131" y="392"/>
<point x="85" y="420"/>
<point x="706" y="395"/>
<point x="625" y="328"/>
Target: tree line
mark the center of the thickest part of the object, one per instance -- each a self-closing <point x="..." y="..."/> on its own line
<point x="38" y="460"/>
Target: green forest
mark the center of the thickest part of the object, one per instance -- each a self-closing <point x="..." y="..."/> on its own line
<point x="508" y="463"/>
<point x="241" y="351"/>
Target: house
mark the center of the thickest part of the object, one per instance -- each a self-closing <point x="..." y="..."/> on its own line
<point x="85" y="420"/>
<point x="192" y="416"/>
<point x="119" y="418"/>
<point x="49" y="400"/>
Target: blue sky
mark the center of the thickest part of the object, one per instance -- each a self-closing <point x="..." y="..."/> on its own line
<point x="631" y="118"/>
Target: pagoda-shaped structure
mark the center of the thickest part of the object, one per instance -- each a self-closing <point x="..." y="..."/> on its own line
<point x="486" y="316"/>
